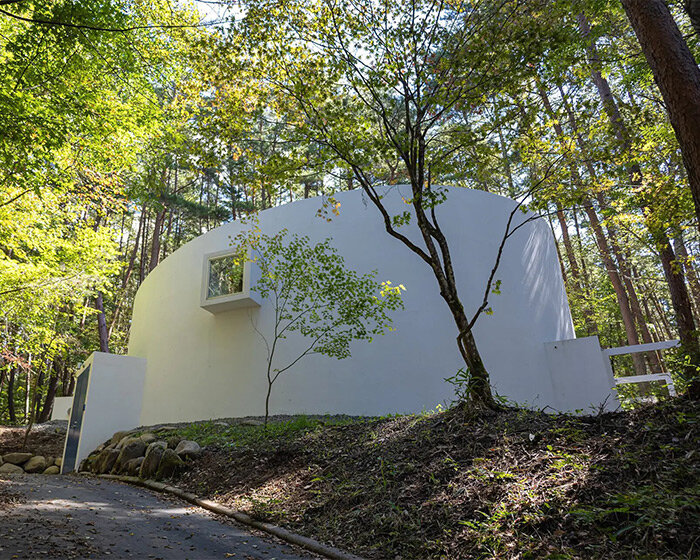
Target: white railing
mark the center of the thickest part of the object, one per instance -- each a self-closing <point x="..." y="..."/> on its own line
<point x="635" y="349"/>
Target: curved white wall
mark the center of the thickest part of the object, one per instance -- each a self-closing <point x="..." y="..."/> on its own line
<point x="202" y="366"/>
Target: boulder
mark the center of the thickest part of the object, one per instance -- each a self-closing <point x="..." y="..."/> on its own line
<point x="188" y="449"/>
<point x="131" y="448"/>
<point x="150" y="463"/>
<point x="53" y="469"/>
<point x="35" y="464"/>
<point x="9" y="468"/>
<point x="169" y="463"/>
<point x="117" y="437"/>
<point x="173" y="442"/>
<point x="148" y="438"/>
<point x="49" y="460"/>
<point x="1" y="461"/>
<point x="58" y="462"/>
<point x="16" y="458"/>
<point x="105" y="461"/>
<point x="132" y="467"/>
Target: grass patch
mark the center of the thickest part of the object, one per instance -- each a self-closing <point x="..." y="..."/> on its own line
<point x="234" y="436"/>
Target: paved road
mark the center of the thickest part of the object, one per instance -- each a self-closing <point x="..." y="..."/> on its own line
<point x="67" y="517"/>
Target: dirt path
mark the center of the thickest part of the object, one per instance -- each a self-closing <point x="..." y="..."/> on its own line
<point x="66" y="517"/>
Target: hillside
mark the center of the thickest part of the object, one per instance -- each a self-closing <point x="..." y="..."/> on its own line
<point x="516" y="484"/>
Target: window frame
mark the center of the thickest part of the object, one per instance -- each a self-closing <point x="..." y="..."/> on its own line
<point x="226" y="302"/>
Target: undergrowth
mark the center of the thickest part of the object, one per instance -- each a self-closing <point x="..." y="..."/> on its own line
<point x="452" y="485"/>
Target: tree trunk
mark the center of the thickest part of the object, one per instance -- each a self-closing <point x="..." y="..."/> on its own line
<point x="613" y="247"/>
<point x="677" y="75"/>
<point x="11" y="397"/>
<point x="692" y="7"/>
<point x="144" y="240"/>
<point x="46" y="409"/>
<point x="684" y="315"/>
<point x="155" y="243"/>
<point x="102" y="323"/>
<point x="134" y="251"/>
<point x="591" y="326"/>
<point x="684" y="257"/>
<point x="674" y="278"/>
<point x="617" y="284"/>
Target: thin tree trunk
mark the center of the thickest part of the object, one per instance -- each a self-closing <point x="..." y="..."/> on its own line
<point x="556" y="246"/>
<point x="11" y="397"/>
<point x="102" y="323"/>
<point x="684" y="316"/>
<point x="661" y="314"/>
<point x="155" y="243"/>
<point x="506" y="163"/>
<point x="613" y="246"/>
<point x="134" y="251"/>
<point x="46" y="409"/>
<point x="616" y="281"/>
<point x="144" y="240"/>
<point x="591" y="326"/>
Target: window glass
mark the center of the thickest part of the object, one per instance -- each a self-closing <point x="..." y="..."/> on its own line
<point x="225" y="277"/>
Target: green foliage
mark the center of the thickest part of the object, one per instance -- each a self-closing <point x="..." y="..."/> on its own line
<point x="263" y="437"/>
<point x="314" y="294"/>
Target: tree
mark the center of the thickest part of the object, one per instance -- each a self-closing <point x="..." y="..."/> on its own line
<point x="676" y="73"/>
<point x="378" y="82"/>
<point x="313" y="293"/>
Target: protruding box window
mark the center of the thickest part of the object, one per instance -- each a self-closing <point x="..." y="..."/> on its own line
<point x="225" y="277"/>
<point x="226" y="283"/>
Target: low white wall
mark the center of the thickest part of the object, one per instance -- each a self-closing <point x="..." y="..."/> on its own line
<point x="583" y="382"/>
<point x="61" y="408"/>
<point x="113" y="400"/>
<point x="201" y="365"/>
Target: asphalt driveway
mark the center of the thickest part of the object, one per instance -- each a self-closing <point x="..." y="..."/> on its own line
<point x="71" y="517"/>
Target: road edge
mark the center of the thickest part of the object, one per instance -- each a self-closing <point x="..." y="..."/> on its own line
<point x="279" y="532"/>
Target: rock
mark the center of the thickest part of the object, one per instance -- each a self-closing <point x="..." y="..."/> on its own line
<point x="252" y="422"/>
<point x="10" y="468"/>
<point x="188" y="449"/>
<point x="35" y="464"/>
<point x="88" y="464"/>
<point x="53" y="469"/>
<point x="132" y="467"/>
<point x="131" y="448"/>
<point x="58" y="462"/>
<point x="148" y="438"/>
<point x="117" y="437"/>
<point x="105" y="461"/>
<point x="222" y="424"/>
<point x="49" y="460"/>
<point x="152" y="459"/>
<point x="169" y="463"/>
<point x="173" y="442"/>
<point x="16" y="458"/>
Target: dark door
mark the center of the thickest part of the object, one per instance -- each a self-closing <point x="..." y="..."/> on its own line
<point x="76" y="422"/>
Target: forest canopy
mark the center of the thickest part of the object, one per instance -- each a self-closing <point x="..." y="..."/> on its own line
<point x="128" y="128"/>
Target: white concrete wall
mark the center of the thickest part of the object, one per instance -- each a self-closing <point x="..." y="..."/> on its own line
<point x="61" y="408"/>
<point x="113" y="400"/>
<point x="201" y="365"/>
<point x="583" y="381"/>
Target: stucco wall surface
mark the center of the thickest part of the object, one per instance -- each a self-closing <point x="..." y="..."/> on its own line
<point x="113" y="400"/>
<point x="202" y="365"/>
